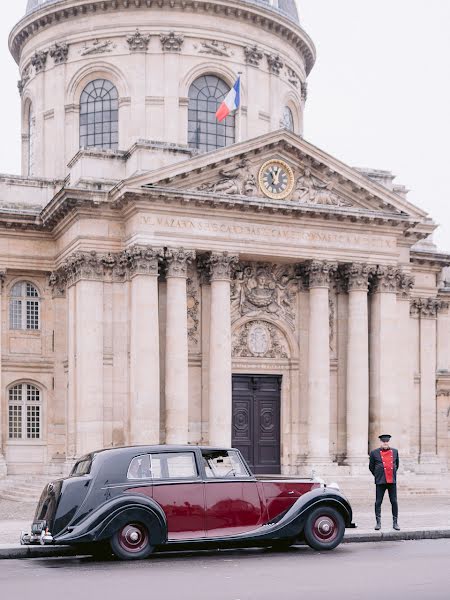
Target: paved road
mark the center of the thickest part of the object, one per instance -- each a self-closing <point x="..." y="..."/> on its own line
<point x="417" y="570"/>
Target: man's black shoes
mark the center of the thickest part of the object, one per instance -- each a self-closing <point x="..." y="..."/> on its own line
<point x="378" y="525"/>
<point x="395" y="525"/>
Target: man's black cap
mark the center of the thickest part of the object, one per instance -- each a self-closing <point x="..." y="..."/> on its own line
<point x="384" y="438"/>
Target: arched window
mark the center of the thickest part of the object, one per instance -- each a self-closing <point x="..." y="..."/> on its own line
<point x="99" y="115"/>
<point x="31" y="127"/>
<point x="204" y="130"/>
<point x="24" y="412"/>
<point x="24" y="307"/>
<point x="288" y="119"/>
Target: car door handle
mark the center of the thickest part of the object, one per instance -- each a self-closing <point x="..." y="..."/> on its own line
<point x="291" y="492"/>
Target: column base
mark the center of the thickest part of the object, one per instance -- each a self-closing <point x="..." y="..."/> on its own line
<point x="429" y="463"/>
<point x="318" y="467"/>
<point x="358" y="465"/>
<point x="3" y="467"/>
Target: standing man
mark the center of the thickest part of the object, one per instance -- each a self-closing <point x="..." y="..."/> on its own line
<point x="383" y="465"/>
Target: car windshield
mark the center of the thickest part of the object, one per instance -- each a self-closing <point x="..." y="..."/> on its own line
<point x="82" y="467"/>
<point x="220" y="464"/>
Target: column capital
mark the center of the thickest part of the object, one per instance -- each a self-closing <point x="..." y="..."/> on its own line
<point x="2" y="279"/>
<point x="427" y="308"/>
<point x="316" y="274"/>
<point x="141" y="260"/>
<point x="384" y="279"/>
<point x="355" y="276"/>
<point x="218" y="266"/>
<point x="177" y="261"/>
<point x="405" y="284"/>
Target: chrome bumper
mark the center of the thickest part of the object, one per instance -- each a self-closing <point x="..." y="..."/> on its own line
<point x="43" y="538"/>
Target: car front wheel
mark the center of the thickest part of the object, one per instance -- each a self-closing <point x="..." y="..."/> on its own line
<point x="324" y="528"/>
<point x="131" y="542"/>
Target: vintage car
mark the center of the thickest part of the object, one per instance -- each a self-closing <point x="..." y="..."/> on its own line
<point x="138" y="499"/>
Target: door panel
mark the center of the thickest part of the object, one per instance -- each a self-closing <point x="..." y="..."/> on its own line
<point x="256" y="421"/>
<point x="184" y="506"/>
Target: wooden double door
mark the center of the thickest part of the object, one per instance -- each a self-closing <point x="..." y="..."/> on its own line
<point x="256" y="421"/>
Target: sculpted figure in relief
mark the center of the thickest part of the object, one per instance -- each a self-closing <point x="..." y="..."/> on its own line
<point x="311" y="190"/>
<point x="266" y="289"/>
<point x="238" y="181"/>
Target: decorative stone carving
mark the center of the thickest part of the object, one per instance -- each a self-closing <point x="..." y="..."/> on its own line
<point x="177" y="261"/>
<point x="239" y="180"/>
<point x="219" y="265"/>
<point x="311" y="190"/>
<point x="138" y="42"/>
<point x="98" y="47"/>
<point x="171" y="42"/>
<point x="384" y="279"/>
<point x="39" y="60"/>
<point x="293" y="78"/>
<point x="356" y="276"/>
<point x="259" y="288"/>
<point x="331" y="321"/>
<point x="304" y="91"/>
<point x="140" y="260"/>
<point x="316" y="273"/>
<point x="26" y="76"/>
<point x="253" y="55"/>
<point x="59" y="52"/>
<point x="193" y="310"/>
<point x="405" y="284"/>
<point x="274" y="63"/>
<point x="259" y="339"/>
<point x="215" y="48"/>
<point x="2" y="279"/>
<point x="427" y="307"/>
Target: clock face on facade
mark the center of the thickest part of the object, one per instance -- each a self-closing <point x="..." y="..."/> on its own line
<point x="276" y="179"/>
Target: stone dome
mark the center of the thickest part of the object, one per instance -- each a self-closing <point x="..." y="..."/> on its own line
<point x="286" y="7"/>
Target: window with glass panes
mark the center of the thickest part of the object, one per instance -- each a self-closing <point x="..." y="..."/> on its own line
<point x="205" y="132"/>
<point x="24" y="412"/>
<point x="288" y="119"/>
<point x="24" y="307"/>
<point x="99" y="115"/>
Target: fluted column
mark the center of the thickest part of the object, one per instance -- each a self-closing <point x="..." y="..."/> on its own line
<point x="317" y="277"/>
<point x="357" y="381"/>
<point x="176" y="374"/>
<point x="3" y="469"/>
<point x="384" y="411"/>
<point x="220" y="375"/>
<point x="144" y="415"/>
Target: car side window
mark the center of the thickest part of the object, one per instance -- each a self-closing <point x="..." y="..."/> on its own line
<point x="222" y="464"/>
<point x="166" y="465"/>
<point x="140" y="468"/>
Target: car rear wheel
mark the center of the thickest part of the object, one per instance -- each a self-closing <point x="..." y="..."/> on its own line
<point x="324" y="528"/>
<point x="131" y="542"/>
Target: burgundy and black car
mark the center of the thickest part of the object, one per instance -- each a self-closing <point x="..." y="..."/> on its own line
<point x="144" y="498"/>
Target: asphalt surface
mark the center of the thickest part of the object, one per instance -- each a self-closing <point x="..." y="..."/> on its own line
<point x="417" y="570"/>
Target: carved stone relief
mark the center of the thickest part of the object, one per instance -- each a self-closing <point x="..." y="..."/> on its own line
<point x="292" y="76"/>
<point x="215" y="48"/>
<point x="59" y="52"/>
<point x="259" y="288"/>
<point x="238" y="180"/>
<point x="193" y="309"/>
<point x="253" y="55"/>
<point x="427" y="307"/>
<point x="304" y="91"/>
<point x="97" y="47"/>
<point x="259" y="339"/>
<point x="138" y="42"/>
<point x="274" y="63"/>
<point x="311" y="190"/>
<point x="171" y="42"/>
<point x="39" y="60"/>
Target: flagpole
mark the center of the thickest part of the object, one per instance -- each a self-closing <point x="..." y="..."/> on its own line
<point x="239" y="113"/>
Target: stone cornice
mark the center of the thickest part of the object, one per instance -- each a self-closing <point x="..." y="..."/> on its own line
<point x="435" y="259"/>
<point x="262" y="16"/>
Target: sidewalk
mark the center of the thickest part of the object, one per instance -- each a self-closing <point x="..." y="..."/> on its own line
<point x="420" y="517"/>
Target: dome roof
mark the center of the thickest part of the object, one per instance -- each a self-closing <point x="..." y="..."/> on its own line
<point x="286" y="7"/>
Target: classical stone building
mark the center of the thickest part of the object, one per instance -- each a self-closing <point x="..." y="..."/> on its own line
<point x="166" y="278"/>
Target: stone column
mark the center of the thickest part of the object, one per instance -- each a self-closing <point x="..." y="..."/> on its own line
<point x="220" y="374"/>
<point x="144" y="415"/>
<point x="3" y="401"/>
<point x="426" y="309"/>
<point x="383" y="356"/>
<point x="176" y="375"/>
<point x="317" y="277"/>
<point x="357" y="380"/>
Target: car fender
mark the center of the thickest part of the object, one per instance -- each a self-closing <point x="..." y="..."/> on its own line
<point x="102" y="523"/>
<point x="320" y="497"/>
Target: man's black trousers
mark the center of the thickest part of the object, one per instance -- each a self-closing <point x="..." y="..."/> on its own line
<point x="392" y="490"/>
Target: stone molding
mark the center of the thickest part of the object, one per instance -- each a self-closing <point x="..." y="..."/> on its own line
<point x="218" y="266"/>
<point x="171" y="42"/>
<point x="427" y="308"/>
<point x="59" y="52"/>
<point x="177" y="261"/>
<point x="253" y="55"/>
<point x="317" y="274"/>
<point x="138" y="42"/>
<point x="39" y="60"/>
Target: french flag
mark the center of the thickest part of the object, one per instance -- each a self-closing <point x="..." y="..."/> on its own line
<point x="231" y="102"/>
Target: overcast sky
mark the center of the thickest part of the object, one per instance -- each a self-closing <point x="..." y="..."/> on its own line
<point x="379" y="94"/>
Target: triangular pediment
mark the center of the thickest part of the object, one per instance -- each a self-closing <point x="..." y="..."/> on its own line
<point x="318" y="178"/>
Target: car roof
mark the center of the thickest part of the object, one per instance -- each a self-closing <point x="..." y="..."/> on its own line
<point x="155" y="448"/>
